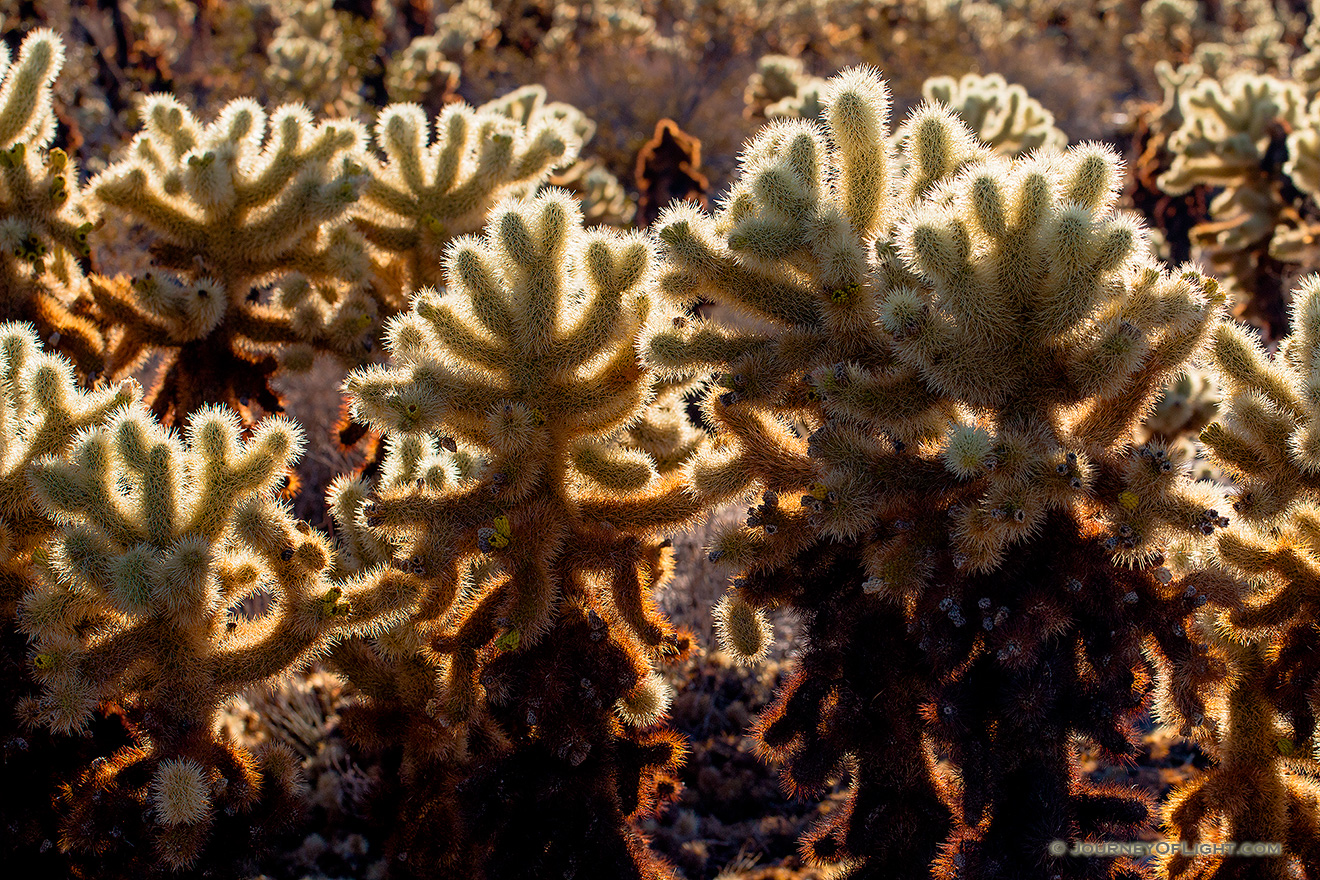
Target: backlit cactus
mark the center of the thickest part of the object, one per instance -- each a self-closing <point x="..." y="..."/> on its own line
<point x="45" y="218"/>
<point x="1030" y="270"/>
<point x="319" y="55"/>
<point x="401" y="682"/>
<point x="1226" y="129"/>
<point x="1013" y="486"/>
<point x="234" y="205"/>
<point x="529" y="362"/>
<point x="1003" y="116"/>
<point x="439" y="180"/>
<point x="43" y="412"/>
<point x="1263" y="734"/>
<point x="420" y="74"/>
<point x="161" y="537"/>
<point x="794" y="247"/>
<point x="956" y="351"/>
<point x="1229" y="139"/>
<point x="782" y="88"/>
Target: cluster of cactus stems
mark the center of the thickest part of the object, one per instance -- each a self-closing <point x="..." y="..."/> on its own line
<point x="159" y="538"/>
<point x="962" y="351"/>
<point x="1263" y="785"/>
<point x="1252" y="141"/>
<point x="536" y="667"/>
<point x="781" y="88"/>
<point x="43" y="411"/>
<point x="275" y="236"/>
<point x="1231" y="136"/>
<point x="934" y="382"/>
<point x="427" y="192"/>
<point x="232" y="204"/>
<point x="1001" y="115"/>
<point x="45" y="218"/>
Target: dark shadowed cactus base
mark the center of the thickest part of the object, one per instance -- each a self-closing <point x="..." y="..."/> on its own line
<point x="555" y="798"/>
<point x="854" y="703"/>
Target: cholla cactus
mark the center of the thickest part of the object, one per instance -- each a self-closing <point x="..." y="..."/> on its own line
<point x="1056" y="521"/>
<point x="784" y="211"/>
<point x="420" y="74"/>
<point x="467" y="25"/>
<point x="44" y="218"/>
<point x="319" y="55"/>
<point x="1167" y="29"/>
<point x="1230" y="137"/>
<point x="1225" y="132"/>
<point x="603" y="198"/>
<point x="43" y="411"/>
<point x="1262" y="47"/>
<point x="428" y="191"/>
<point x="1263" y="733"/>
<point x="402" y="684"/>
<point x="529" y="361"/>
<point x="160" y="539"/>
<point x="782" y="88"/>
<point x="1127" y="327"/>
<point x="527" y="106"/>
<point x="1003" y="116"/>
<point x="1173" y="82"/>
<point x="1257" y="138"/>
<point x="800" y="204"/>
<point x="969" y="345"/>
<point x="1171" y="218"/>
<point x="235" y="204"/>
<point x="777" y="77"/>
<point x="1303" y="165"/>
